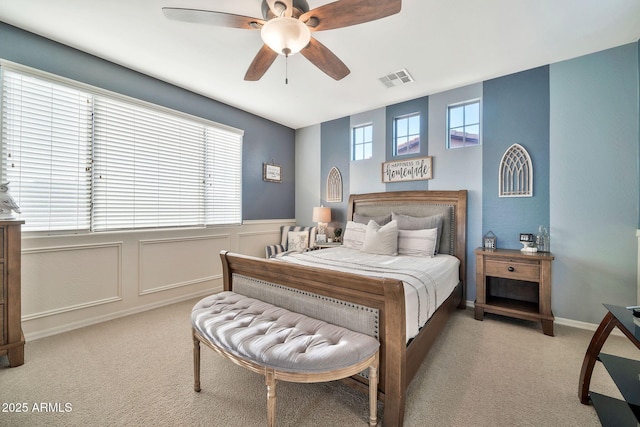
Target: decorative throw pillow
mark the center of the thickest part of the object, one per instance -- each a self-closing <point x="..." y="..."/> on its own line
<point x="381" y="240"/>
<point x="406" y="222"/>
<point x="380" y="220"/>
<point x="297" y="241"/>
<point x="354" y="235"/>
<point x="417" y="242"/>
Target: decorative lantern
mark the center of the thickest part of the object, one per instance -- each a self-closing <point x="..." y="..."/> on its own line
<point x="489" y="241"/>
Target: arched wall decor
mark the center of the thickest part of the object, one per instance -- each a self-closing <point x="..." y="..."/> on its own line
<point x="516" y="173"/>
<point x="334" y="185"/>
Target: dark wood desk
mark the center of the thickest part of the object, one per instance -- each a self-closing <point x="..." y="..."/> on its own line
<point x="624" y="372"/>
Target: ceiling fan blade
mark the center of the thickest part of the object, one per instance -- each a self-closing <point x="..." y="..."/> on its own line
<point x="344" y="13"/>
<point x="260" y="63"/>
<point x="210" y="17"/>
<point x="324" y="59"/>
<point x="277" y="7"/>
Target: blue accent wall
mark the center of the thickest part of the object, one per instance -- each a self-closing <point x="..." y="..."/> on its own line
<point x="336" y="151"/>
<point x="595" y="191"/>
<point x="263" y="140"/>
<point x="418" y="105"/>
<point x="515" y="110"/>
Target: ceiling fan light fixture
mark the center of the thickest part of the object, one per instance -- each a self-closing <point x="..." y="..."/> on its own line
<point x="285" y="35"/>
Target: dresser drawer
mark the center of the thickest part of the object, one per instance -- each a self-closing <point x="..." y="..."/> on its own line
<point x="2" y="294"/>
<point x="513" y="269"/>
<point x="3" y="335"/>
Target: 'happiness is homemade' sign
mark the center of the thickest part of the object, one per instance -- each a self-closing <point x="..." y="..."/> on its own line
<point x="407" y="170"/>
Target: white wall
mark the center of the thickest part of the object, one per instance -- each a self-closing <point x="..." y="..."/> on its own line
<point x="307" y="173"/>
<point x="458" y="169"/>
<point x="74" y="281"/>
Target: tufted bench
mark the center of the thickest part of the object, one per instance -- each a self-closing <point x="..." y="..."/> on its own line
<point x="281" y="345"/>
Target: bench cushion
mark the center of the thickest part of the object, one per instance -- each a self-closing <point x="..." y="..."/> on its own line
<point x="277" y="338"/>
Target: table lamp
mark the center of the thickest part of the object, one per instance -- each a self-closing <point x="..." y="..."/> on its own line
<point x="322" y="216"/>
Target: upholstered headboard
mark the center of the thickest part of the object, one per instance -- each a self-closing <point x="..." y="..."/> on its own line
<point x="451" y="204"/>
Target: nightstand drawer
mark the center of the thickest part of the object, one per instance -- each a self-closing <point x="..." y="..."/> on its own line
<point x="510" y="269"/>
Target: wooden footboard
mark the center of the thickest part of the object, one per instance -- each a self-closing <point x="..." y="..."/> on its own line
<point x="385" y="295"/>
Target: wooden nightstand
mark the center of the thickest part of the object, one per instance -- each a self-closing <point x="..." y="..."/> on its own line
<point x="514" y="283"/>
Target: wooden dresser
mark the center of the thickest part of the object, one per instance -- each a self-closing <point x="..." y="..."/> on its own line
<point x="11" y="337"/>
<point x="514" y="283"/>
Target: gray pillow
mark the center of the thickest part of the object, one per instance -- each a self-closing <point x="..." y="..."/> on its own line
<point x="417" y="242"/>
<point x="406" y="222"/>
<point x="381" y="240"/>
<point x="363" y="219"/>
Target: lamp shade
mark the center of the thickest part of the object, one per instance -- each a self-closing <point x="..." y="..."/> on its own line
<point x="321" y="214"/>
<point x="285" y="35"/>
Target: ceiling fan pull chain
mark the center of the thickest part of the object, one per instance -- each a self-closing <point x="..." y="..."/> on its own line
<point x="286" y="52"/>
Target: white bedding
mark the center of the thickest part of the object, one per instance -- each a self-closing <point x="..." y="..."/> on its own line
<point x="428" y="282"/>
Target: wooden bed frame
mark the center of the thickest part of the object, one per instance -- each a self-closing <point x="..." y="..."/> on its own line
<point x="399" y="361"/>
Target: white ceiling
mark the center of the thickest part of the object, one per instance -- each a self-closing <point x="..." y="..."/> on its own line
<point x="443" y="43"/>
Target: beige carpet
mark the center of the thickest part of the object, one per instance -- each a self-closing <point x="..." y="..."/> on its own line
<point x="138" y="371"/>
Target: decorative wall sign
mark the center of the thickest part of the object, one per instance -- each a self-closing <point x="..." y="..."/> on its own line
<point x="271" y="172"/>
<point x="407" y="170"/>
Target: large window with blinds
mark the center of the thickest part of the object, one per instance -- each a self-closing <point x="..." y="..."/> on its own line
<point x="82" y="160"/>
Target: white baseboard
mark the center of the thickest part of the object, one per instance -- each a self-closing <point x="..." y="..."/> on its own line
<point x="572" y="323"/>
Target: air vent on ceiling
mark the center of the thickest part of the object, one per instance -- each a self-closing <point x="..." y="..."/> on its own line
<point x="396" y="79"/>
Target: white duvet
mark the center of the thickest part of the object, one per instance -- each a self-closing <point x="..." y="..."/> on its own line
<point x="428" y="282"/>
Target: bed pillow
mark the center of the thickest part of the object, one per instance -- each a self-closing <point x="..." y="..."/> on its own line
<point x="297" y="241"/>
<point x="354" y="235"/>
<point x="417" y="242"/>
<point x="406" y="222"/>
<point x="363" y="219"/>
<point x="381" y="239"/>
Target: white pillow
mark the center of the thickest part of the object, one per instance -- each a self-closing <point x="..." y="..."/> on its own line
<point x="381" y="240"/>
<point x="354" y="235"/>
<point x="417" y="242"/>
<point x="297" y="241"/>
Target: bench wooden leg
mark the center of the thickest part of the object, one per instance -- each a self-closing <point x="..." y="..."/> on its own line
<point x="196" y="363"/>
<point x="270" y="379"/>
<point x="373" y="393"/>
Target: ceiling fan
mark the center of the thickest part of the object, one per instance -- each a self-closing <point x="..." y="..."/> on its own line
<point x="286" y="28"/>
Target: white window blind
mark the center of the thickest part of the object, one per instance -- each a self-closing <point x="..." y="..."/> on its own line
<point x="224" y="176"/>
<point x="80" y="160"/>
<point x="46" y="133"/>
<point x="148" y="168"/>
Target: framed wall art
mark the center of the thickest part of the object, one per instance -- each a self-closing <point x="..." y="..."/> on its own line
<point x="271" y="172"/>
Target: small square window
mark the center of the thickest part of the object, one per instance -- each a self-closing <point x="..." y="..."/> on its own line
<point x="406" y="132"/>
<point x="362" y="142"/>
<point x="463" y="124"/>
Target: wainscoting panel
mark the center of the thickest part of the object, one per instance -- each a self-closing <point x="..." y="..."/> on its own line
<point x="253" y="243"/>
<point x="177" y="262"/>
<point x="66" y="278"/>
<point x="75" y="280"/>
